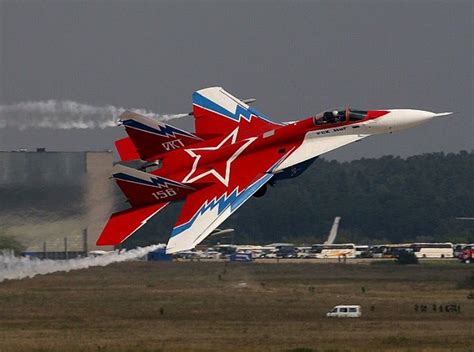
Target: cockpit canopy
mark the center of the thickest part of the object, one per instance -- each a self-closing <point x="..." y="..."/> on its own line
<point x="339" y="116"/>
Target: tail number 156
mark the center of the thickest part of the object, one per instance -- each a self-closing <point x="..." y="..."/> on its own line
<point x="169" y="192"/>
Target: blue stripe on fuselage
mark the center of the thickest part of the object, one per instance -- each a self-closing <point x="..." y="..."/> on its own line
<point x="154" y="180"/>
<point x="234" y="200"/>
<point x="247" y="114"/>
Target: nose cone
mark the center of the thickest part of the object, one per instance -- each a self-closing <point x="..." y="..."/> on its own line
<point x="410" y="118"/>
<point x="400" y="119"/>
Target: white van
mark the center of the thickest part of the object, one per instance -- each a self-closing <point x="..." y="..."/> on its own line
<point x="345" y="312"/>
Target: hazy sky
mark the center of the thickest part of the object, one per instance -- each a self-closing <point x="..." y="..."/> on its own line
<point x="296" y="58"/>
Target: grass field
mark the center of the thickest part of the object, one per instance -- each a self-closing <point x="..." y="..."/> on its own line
<point x="199" y="306"/>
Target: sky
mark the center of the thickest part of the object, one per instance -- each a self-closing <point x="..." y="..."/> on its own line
<point x="295" y="58"/>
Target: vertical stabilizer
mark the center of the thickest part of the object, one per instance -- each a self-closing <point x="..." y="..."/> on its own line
<point x="333" y="233"/>
<point x="217" y="112"/>
<point x="151" y="137"/>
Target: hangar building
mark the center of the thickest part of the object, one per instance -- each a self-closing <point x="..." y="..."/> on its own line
<point x="47" y="196"/>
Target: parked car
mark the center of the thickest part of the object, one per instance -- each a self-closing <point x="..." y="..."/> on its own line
<point x="468" y="255"/>
<point x="458" y="250"/>
<point x="343" y="311"/>
<point x="363" y="252"/>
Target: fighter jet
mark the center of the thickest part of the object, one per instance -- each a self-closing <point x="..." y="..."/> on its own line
<point x="233" y="154"/>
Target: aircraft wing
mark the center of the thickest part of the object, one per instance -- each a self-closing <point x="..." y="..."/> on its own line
<point x="314" y="146"/>
<point x="206" y="209"/>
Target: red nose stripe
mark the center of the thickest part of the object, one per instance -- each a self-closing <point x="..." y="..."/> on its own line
<point x="373" y="114"/>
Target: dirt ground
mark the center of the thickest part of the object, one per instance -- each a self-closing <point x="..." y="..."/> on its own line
<point x="212" y="306"/>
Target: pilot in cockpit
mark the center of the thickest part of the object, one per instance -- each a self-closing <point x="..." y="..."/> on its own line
<point x="334" y="116"/>
<point x="330" y="116"/>
<point x="339" y="116"/>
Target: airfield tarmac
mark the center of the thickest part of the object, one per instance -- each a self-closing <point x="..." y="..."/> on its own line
<point x="219" y="306"/>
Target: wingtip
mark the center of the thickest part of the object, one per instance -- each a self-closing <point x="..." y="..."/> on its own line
<point x="178" y="244"/>
<point x="174" y="250"/>
<point x="169" y="251"/>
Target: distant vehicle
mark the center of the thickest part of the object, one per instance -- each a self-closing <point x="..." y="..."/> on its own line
<point x="286" y="251"/>
<point x="363" y="252"/>
<point x="211" y="254"/>
<point x="389" y="250"/>
<point x="256" y="251"/>
<point x="303" y="253"/>
<point x="225" y="249"/>
<point x="459" y="249"/>
<point x="467" y="255"/>
<point x="433" y="250"/>
<point x="268" y="255"/>
<point x="342" y="311"/>
<point x="198" y="254"/>
<point x="188" y="255"/>
<point x="267" y="252"/>
<point x="241" y="257"/>
<point x="278" y="250"/>
<point x="333" y="250"/>
<point x="376" y="251"/>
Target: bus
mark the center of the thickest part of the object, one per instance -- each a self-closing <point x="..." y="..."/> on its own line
<point x="333" y="250"/>
<point x="433" y="250"/>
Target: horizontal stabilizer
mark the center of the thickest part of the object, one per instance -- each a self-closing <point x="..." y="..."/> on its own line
<point x="142" y="188"/>
<point x="123" y="224"/>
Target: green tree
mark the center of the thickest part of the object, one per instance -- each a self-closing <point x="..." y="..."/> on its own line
<point x="8" y="242"/>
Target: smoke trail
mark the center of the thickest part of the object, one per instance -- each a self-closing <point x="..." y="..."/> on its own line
<point x="67" y="115"/>
<point x="12" y="267"/>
